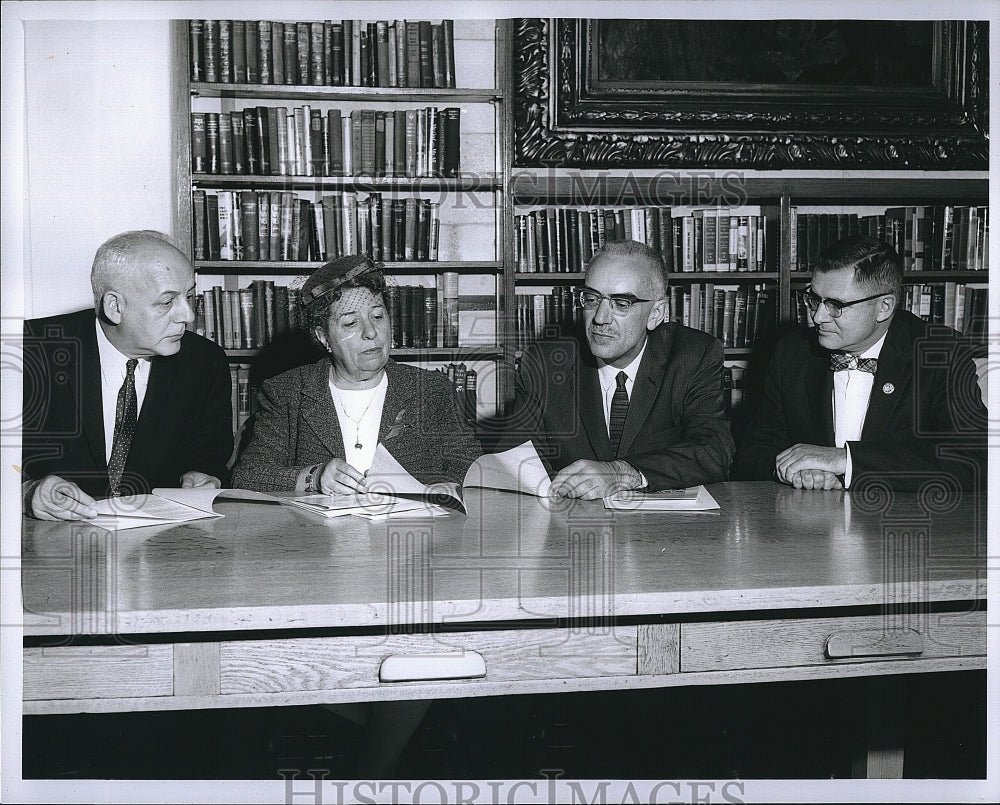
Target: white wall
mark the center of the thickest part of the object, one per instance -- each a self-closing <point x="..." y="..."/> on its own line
<point x="97" y="134"/>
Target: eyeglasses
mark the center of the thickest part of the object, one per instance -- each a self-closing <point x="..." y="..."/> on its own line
<point x="620" y="304"/>
<point x="833" y="306"/>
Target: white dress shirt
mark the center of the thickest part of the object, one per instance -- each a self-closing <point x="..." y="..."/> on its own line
<point x="852" y="389"/>
<point x="608" y="376"/>
<point x="112" y="376"/>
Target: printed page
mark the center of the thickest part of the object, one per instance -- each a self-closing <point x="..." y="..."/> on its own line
<point x="518" y="470"/>
<point x="136" y="511"/>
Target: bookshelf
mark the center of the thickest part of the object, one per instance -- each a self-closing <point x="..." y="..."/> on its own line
<point x="782" y="196"/>
<point x="421" y="187"/>
<point x="483" y="204"/>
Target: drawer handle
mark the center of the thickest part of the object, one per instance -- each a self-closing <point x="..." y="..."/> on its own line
<point x="874" y="643"/>
<point x="426" y="667"/>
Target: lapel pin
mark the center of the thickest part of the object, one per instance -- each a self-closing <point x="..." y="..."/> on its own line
<point x="888" y="388"/>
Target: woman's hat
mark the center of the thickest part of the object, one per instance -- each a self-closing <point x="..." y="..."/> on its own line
<point x="329" y="277"/>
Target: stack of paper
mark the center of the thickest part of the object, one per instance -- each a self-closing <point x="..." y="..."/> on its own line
<point x="692" y="499"/>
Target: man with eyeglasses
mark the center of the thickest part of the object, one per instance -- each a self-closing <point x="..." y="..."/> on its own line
<point x="870" y="393"/>
<point x="638" y="405"/>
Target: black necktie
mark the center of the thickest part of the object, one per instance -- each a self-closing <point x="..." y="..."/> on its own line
<point x="839" y="361"/>
<point x="619" y="410"/>
<point x="125" y="417"/>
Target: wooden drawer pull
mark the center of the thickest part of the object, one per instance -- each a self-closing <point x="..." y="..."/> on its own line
<point x="422" y="667"/>
<point x="874" y="643"/>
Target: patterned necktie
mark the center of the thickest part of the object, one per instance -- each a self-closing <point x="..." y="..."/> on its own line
<point x="619" y="410"/>
<point x="125" y="418"/>
<point x="839" y="361"/>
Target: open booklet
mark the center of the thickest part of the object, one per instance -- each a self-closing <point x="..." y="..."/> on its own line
<point x="164" y="506"/>
<point x="392" y="490"/>
<point x="692" y="499"/>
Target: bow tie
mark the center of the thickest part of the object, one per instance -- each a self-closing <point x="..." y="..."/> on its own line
<point x="840" y="361"/>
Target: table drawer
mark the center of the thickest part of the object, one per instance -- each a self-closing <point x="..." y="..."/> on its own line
<point x="331" y="663"/>
<point x="98" y="672"/>
<point x="779" y="643"/>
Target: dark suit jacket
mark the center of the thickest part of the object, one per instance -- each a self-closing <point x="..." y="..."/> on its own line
<point x="186" y="421"/>
<point x="296" y="425"/>
<point x="925" y="416"/>
<point x="676" y="432"/>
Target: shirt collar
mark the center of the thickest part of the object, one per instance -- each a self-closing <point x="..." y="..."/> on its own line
<point x="608" y="373"/>
<point x="874" y="350"/>
<point x="112" y="361"/>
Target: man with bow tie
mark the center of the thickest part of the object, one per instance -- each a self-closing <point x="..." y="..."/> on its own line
<point x="870" y="392"/>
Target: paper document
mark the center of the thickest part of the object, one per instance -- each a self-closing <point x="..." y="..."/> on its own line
<point x="392" y="490"/>
<point x="692" y="499"/>
<point x="164" y="506"/>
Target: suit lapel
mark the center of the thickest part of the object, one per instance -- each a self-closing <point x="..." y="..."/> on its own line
<point x="592" y="406"/>
<point x="895" y="371"/>
<point x="90" y="404"/>
<point x="318" y="411"/>
<point x="819" y="390"/>
<point x="397" y="398"/>
<point x="646" y="387"/>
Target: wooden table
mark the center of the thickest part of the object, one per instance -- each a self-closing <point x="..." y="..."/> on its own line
<point x="272" y="606"/>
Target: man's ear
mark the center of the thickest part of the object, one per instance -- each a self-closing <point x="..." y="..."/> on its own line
<point x="657" y="314"/>
<point x="111" y="306"/>
<point x="886" y="307"/>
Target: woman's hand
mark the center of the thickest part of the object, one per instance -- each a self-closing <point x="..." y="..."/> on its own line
<point x="340" y="478"/>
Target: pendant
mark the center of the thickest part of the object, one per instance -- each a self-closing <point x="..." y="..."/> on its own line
<point x="357" y="445"/>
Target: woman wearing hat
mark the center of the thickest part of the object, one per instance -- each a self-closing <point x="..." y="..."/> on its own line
<point x="317" y="426"/>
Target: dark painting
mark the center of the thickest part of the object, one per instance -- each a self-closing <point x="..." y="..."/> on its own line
<point x="824" y="52"/>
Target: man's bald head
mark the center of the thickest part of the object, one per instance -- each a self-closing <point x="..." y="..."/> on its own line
<point x="120" y="261"/>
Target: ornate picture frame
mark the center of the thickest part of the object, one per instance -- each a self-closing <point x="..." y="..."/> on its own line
<point x="566" y="115"/>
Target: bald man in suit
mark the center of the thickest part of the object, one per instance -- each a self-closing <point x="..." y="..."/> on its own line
<point x="637" y="405"/>
<point x="122" y="398"/>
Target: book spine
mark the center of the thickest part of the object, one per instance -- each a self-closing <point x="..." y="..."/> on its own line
<point x="316" y="68"/>
<point x="265" y="50"/>
<point x="225" y="144"/>
<point x="225" y="51"/>
<point x="212" y="141"/>
<point x="199" y="143"/>
<point x="337" y="54"/>
<point x="211" y="32"/>
<point x="448" y="32"/>
<point x="425" y="45"/>
<point x="450" y="296"/>
<point x="196" y="43"/>
<point x="239" y="52"/>
<point x="198" y="214"/>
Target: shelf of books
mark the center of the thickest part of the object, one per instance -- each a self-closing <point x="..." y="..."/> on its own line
<point x="303" y="141"/>
<point x="944" y="248"/>
<point x="722" y="263"/>
<point x="738" y="244"/>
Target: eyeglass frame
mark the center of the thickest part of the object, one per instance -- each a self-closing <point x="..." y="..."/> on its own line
<point x="613" y="300"/>
<point x="833" y="306"/>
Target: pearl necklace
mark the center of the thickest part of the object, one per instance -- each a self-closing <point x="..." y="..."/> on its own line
<point x="339" y="404"/>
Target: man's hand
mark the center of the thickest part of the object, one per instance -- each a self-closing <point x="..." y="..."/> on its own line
<point x="55" y="498"/>
<point x="194" y="478"/>
<point x="810" y="466"/>
<point x="340" y="478"/>
<point x="592" y="480"/>
<point x="816" y="479"/>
